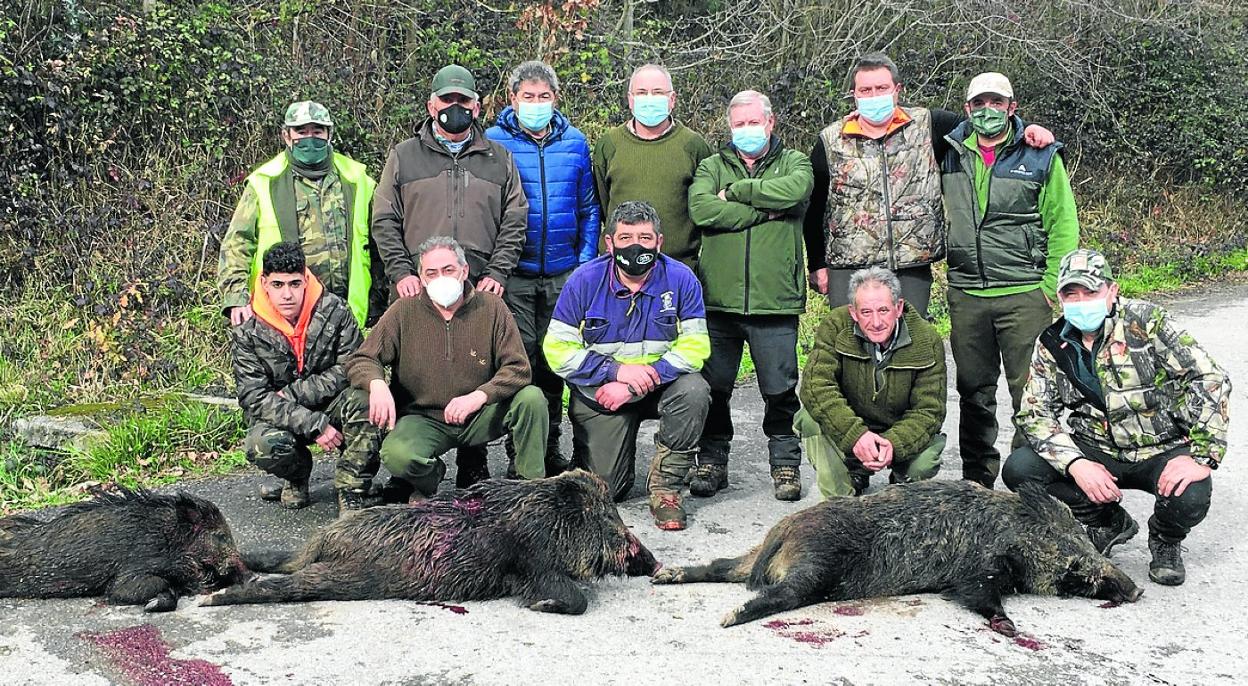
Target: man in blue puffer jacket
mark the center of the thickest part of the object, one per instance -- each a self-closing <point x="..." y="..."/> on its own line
<point x="553" y="159"/>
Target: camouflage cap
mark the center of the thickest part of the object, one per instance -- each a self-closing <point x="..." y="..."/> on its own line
<point x="1087" y="268"/>
<point x="454" y="79"/>
<point x="307" y="112"/>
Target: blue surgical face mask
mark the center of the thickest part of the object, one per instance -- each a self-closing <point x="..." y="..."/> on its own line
<point x="1086" y="315"/>
<point x="877" y="109"/>
<point x="534" y="116"/>
<point x="651" y="110"/>
<point x="750" y="139"/>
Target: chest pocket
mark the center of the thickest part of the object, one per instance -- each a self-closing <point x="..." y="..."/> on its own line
<point x="594" y="330"/>
<point x="666" y="326"/>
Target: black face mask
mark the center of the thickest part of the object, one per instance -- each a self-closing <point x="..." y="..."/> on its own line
<point x="455" y="119"/>
<point x="636" y="259"/>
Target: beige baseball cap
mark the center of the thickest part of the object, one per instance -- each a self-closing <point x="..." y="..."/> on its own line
<point x="989" y="82"/>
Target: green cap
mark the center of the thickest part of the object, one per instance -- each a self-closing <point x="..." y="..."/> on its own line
<point x="307" y="112"/>
<point x="1087" y="268"/>
<point x="454" y="79"/>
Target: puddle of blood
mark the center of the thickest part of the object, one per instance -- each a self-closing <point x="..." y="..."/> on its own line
<point x="816" y="638"/>
<point x="454" y="609"/>
<point x="1028" y="642"/>
<point x="1108" y="604"/>
<point x="143" y="656"/>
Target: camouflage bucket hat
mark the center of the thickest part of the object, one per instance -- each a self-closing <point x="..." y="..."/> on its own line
<point x="1087" y="268"/>
<point x="307" y="112"/>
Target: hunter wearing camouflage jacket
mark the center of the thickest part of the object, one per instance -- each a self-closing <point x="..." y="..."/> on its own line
<point x="291" y="384"/>
<point x="1158" y="391"/>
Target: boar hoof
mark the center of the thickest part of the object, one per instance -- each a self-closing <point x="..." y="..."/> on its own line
<point x="553" y="605"/>
<point x="668" y="575"/>
<point x="164" y="602"/>
<point x="731" y="619"/>
<point x="1003" y="625"/>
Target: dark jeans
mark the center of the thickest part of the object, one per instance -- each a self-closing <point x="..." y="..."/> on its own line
<point x="531" y="300"/>
<point x="916" y="286"/>
<point x="1172" y="518"/>
<point x="773" y="347"/>
<point x="987" y="334"/>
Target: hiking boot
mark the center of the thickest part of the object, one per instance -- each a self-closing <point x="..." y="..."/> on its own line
<point x="471" y="466"/>
<point x="350" y="500"/>
<point x="706" y="480"/>
<point x="1120" y="529"/>
<point x="860" y="482"/>
<point x="295" y="495"/>
<point x="668" y="511"/>
<point x="556" y="463"/>
<point x="1166" y="567"/>
<point x="271" y="492"/>
<point x="788" y="483"/>
<point x="396" y="491"/>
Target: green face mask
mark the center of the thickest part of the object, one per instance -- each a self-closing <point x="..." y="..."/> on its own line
<point x="310" y="152"/>
<point x="988" y="121"/>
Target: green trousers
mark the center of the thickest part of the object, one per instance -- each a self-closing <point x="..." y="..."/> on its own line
<point x="411" y="451"/>
<point x="833" y="468"/>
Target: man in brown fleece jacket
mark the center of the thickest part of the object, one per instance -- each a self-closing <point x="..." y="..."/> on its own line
<point x="460" y="376"/>
<point x="451" y="180"/>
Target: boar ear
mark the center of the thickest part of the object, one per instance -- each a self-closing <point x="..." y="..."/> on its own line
<point x="1039" y="503"/>
<point x="195" y="511"/>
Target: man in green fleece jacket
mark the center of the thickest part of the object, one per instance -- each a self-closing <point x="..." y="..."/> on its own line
<point x="748" y="201"/>
<point x="652" y="157"/>
<point x="873" y="390"/>
<point x="459" y="377"/>
<point x="1011" y="218"/>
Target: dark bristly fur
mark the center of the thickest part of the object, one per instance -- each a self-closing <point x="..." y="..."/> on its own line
<point x="533" y="539"/>
<point x="132" y="547"/>
<point x="952" y="537"/>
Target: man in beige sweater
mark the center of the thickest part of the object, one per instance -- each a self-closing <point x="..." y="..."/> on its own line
<point x="459" y="376"/>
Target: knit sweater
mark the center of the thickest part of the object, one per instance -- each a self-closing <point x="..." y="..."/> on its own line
<point x="658" y="171"/>
<point x="434" y="360"/>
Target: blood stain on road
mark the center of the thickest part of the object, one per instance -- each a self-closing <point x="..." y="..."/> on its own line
<point x="143" y="657"/>
<point x="454" y="609"/>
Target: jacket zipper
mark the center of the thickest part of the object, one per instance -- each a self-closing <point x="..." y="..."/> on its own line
<point x="888" y="208"/>
<point x="448" y="340"/>
<point x="541" y="163"/>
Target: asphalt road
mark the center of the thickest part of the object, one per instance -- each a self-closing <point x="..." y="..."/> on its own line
<point x="637" y="634"/>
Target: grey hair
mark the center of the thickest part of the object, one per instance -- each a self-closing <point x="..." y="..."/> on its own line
<point x="870" y="61"/>
<point x="633" y="212"/>
<point x="747" y="98"/>
<point x="874" y="275"/>
<point x="651" y="65"/>
<point x="441" y="243"/>
<point x="533" y="70"/>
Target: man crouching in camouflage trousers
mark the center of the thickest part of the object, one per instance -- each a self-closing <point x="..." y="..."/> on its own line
<point x="1148" y="411"/>
<point x="288" y="367"/>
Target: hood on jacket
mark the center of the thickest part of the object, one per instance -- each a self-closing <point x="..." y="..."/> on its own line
<point x="297" y="334"/>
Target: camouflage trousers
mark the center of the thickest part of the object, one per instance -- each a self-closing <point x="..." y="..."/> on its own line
<point x="287" y="456"/>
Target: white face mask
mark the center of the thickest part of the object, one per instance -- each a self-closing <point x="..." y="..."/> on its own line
<point x="445" y="290"/>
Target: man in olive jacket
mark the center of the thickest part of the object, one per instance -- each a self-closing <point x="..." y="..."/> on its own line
<point x="874" y="390"/>
<point x="748" y="202"/>
<point x="288" y="369"/>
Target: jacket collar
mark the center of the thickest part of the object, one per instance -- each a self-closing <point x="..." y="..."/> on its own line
<point x="852" y="127"/>
<point x="774" y="147"/>
<point x="961" y="137"/>
<point x="478" y="142"/>
<point x="916" y="352"/>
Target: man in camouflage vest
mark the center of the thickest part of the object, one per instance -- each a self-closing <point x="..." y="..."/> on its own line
<point x="877" y="195"/>
<point x="1147" y="410"/>
<point x="310" y="195"/>
<point x="292" y="388"/>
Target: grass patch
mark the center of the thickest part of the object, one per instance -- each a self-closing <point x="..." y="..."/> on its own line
<point x="143" y="449"/>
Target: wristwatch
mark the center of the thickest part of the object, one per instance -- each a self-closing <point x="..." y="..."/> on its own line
<point x="1206" y="461"/>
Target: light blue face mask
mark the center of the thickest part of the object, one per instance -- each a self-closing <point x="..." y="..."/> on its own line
<point x="534" y="116"/>
<point x="651" y="110"/>
<point x="877" y="109"/>
<point x="749" y="139"/>
<point x="1087" y="315"/>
